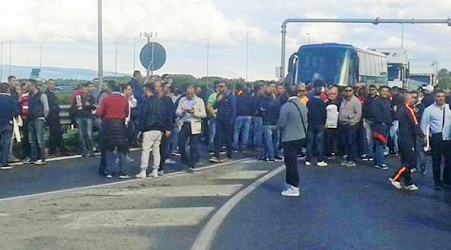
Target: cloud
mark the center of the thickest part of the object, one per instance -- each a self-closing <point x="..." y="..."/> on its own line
<point x="73" y="21"/>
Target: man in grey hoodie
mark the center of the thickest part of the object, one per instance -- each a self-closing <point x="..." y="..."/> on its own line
<point x="292" y="124"/>
<point x="349" y="118"/>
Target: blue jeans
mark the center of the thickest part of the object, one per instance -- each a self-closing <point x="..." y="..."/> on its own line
<point x="85" y="134"/>
<point x="370" y="144"/>
<point x="110" y="163"/>
<point x="349" y="141"/>
<point x="6" y="132"/>
<point x="394" y="136"/>
<point x="258" y="132"/>
<point x="211" y="133"/>
<point x="379" y="157"/>
<point x="242" y="126"/>
<point x="271" y="134"/>
<point x="36" y="138"/>
<point x="421" y="156"/>
<point x="315" y="137"/>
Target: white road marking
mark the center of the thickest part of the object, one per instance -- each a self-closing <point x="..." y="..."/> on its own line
<point x="208" y="233"/>
<point x="182" y="191"/>
<point x="241" y="175"/>
<point x="115" y="183"/>
<point x="155" y="217"/>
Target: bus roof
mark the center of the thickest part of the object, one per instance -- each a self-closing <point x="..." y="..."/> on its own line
<point x="339" y="45"/>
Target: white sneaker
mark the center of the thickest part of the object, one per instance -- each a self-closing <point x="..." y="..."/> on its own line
<point x="412" y="187"/>
<point x="321" y="164"/>
<point x="307" y="163"/>
<point x="291" y="191"/>
<point x="130" y="160"/>
<point x="169" y="161"/>
<point x="154" y="173"/>
<point x="395" y="184"/>
<point x="161" y="173"/>
<point x="141" y="175"/>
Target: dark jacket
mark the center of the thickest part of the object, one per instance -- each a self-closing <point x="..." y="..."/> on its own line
<point x="368" y="107"/>
<point x="54" y="108"/>
<point x="318" y="114"/>
<point x="226" y="108"/>
<point x="258" y="104"/>
<point x="88" y="105"/>
<point x="151" y="117"/>
<point x="139" y="94"/>
<point x="409" y="126"/>
<point x="419" y="109"/>
<point x="382" y="116"/>
<point x="428" y="100"/>
<point x="9" y="109"/>
<point x="271" y="110"/>
<point x="36" y="107"/>
<point x="245" y="105"/>
<point x="168" y="112"/>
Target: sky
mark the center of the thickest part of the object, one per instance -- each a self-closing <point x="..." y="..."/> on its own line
<point x="67" y="32"/>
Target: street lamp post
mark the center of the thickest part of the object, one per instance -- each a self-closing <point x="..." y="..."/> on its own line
<point x="1" y="61"/>
<point x="308" y="37"/>
<point x="40" y="57"/>
<point x="247" y="55"/>
<point x="100" y="44"/>
<point x="10" y="57"/>
<point x="115" y="60"/>
<point x="134" y="53"/>
<point x="208" y="60"/>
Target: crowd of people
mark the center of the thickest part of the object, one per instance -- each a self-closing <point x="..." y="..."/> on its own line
<point x="315" y="122"/>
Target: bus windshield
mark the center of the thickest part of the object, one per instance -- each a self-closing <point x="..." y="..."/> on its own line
<point x="394" y="72"/>
<point x="325" y="63"/>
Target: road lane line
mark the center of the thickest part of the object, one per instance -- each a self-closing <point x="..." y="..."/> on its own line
<point x="205" y="238"/>
<point x="117" y="183"/>
<point x="240" y="175"/>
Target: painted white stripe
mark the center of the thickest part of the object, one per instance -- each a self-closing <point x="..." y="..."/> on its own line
<point x="155" y="217"/>
<point x="116" y="183"/>
<point x="208" y="233"/>
<point x="241" y="175"/>
<point x="182" y="191"/>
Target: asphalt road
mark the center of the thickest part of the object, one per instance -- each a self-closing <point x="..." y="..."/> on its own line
<point x="72" y="173"/>
<point x="340" y="208"/>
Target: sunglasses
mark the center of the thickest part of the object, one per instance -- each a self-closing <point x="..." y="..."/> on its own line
<point x="302" y="90"/>
<point x="348" y="90"/>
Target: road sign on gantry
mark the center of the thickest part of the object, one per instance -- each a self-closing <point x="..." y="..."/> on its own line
<point x="152" y="56"/>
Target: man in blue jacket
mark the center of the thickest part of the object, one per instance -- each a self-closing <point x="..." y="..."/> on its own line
<point x="10" y="109"/>
<point x="271" y="133"/>
<point x="225" y="118"/>
<point x="245" y="110"/>
<point x="382" y="120"/>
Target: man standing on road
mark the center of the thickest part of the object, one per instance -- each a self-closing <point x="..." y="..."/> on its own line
<point x="292" y="123"/>
<point x="349" y="118"/>
<point x="331" y="131"/>
<point x="381" y="121"/>
<point x="245" y="110"/>
<point x="9" y="110"/>
<point x="212" y="118"/>
<point x="82" y="109"/>
<point x="169" y="119"/>
<point x="271" y="133"/>
<point x="12" y="82"/>
<point x="438" y="117"/>
<point x="54" y="121"/>
<point x="316" y="122"/>
<point x="421" y="155"/>
<point x="368" y="118"/>
<point x="151" y="124"/>
<point x="38" y="112"/>
<point x="191" y="110"/>
<point x="409" y="131"/>
<point x="225" y="118"/>
<point x="113" y="136"/>
<point x="24" y="106"/>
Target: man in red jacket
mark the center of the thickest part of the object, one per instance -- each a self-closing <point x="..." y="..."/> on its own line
<point x="113" y="111"/>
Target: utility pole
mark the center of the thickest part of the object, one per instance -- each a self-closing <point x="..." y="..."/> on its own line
<point x="308" y="38"/>
<point x="100" y="44"/>
<point x="208" y="61"/>
<point x="247" y="55"/>
<point x="149" y="35"/>
<point x="402" y="35"/>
